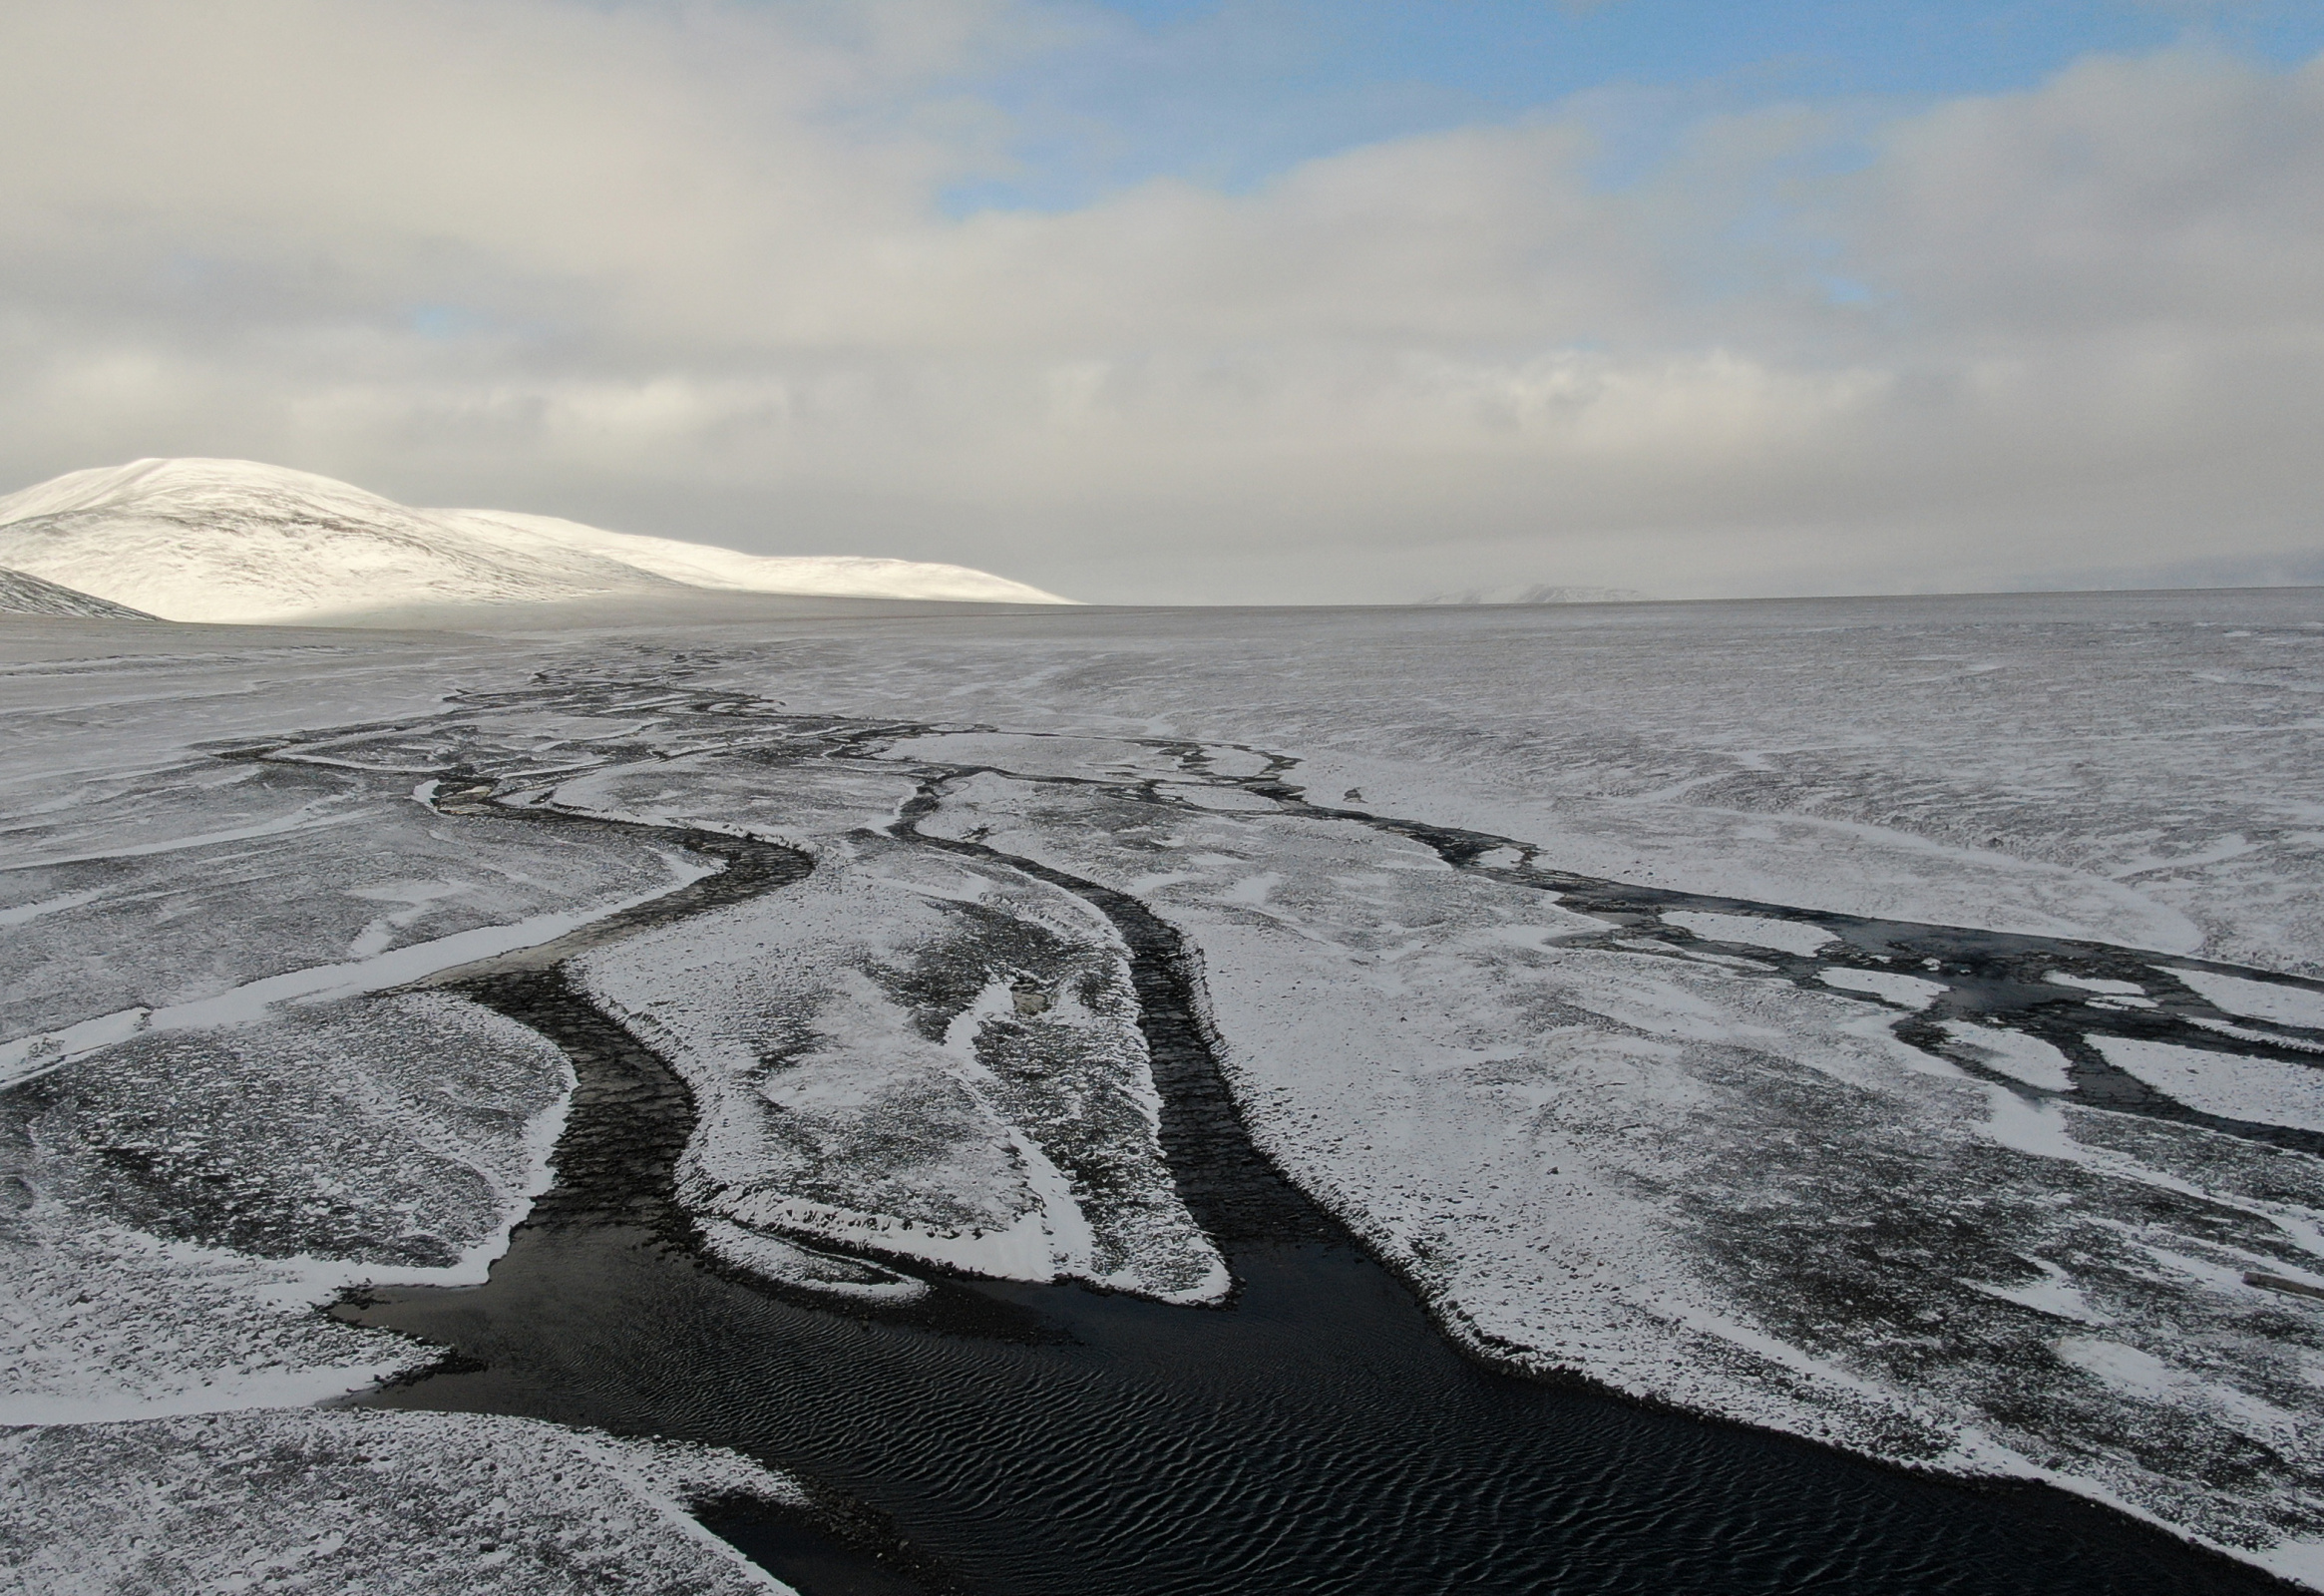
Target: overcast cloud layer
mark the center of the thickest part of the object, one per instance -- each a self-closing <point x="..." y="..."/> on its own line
<point x="684" y="270"/>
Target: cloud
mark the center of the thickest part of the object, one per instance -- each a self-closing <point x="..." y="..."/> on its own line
<point x="683" y="268"/>
<point x="2122" y="193"/>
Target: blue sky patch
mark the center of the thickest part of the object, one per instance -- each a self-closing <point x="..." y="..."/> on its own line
<point x="1230" y="93"/>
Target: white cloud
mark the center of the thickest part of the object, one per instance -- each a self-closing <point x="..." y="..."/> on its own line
<point x="2179" y="188"/>
<point x="681" y="268"/>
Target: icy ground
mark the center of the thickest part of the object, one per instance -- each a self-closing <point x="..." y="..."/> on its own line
<point x="445" y="1504"/>
<point x="1592" y="964"/>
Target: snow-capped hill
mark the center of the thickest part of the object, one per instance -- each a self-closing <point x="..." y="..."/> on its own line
<point x="229" y="540"/>
<point x="235" y="541"/>
<point x="24" y="594"/>
<point x="700" y="565"/>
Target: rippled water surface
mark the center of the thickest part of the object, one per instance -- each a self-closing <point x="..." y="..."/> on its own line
<point x="1318" y="1435"/>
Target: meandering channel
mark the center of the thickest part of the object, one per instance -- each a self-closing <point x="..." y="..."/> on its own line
<point x="1318" y="1434"/>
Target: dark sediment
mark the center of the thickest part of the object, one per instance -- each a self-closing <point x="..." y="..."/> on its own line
<point x="616" y="1162"/>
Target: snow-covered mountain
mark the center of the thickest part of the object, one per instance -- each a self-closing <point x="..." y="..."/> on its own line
<point x="237" y="541"/>
<point x="22" y="594"/>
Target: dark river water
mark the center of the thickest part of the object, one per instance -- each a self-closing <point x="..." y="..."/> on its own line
<point x="1318" y="1435"/>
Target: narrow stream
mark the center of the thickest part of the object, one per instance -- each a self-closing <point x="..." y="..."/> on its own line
<point x="1316" y="1435"/>
<point x="1987" y="976"/>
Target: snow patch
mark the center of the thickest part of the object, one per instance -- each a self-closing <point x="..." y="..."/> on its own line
<point x="392" y="1502"/>
<point x="2256" y="1000"/>
<point x="1756" y="930"/>
<point x="1909" y="991"/>
<point x="2263" y="1090"/>
<point x="2013" y="1052"/>
<point x="24" y="1057"/>
<point x="2119" y="989"/>
<point x="791" y="1264"/>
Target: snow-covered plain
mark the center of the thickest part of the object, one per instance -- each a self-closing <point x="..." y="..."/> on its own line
<point x="260" y="1121"/>
<point x="1732" y="1152"/>
<point x="237" y="541"/>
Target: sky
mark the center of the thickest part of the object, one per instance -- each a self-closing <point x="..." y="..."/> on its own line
<point x="1210" y="301"/>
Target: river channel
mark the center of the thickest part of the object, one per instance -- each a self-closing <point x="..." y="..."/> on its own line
<point x="1315" y="1435"/>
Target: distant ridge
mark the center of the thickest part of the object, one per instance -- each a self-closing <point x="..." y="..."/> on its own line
<point x="1539" y="594"/>
<point x="237" y="541"/>
<point x="22" y="594"/>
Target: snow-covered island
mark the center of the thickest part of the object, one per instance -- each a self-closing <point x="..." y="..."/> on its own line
<point x="1893" y="1024"/>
